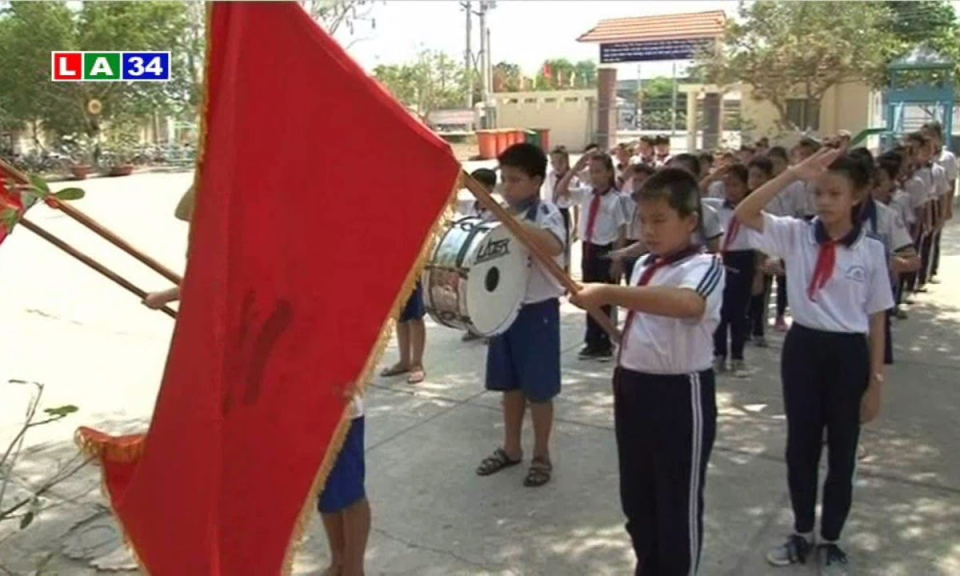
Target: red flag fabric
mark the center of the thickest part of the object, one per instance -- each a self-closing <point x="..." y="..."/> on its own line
<point x="547" y="71"/>
<point x="304" y="240"/>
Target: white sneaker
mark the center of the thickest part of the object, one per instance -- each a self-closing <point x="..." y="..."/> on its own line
<point x="738" y="368"/>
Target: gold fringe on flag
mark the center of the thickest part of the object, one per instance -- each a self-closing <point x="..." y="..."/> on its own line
<point x="439" y="227"/>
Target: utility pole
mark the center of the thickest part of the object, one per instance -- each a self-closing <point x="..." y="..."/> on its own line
<point x="484" y="53"/>
<point x="486" y="63"/>
<point x="468" y="56"/>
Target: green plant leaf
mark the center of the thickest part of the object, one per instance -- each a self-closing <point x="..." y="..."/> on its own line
<point x="26" y="520"/>
<point x="40" y="184"/>
<point x="9" y="219"/>
<point x="29" y="198"/>
<point x="61" y="411"/>
<point x="70" y="194"/>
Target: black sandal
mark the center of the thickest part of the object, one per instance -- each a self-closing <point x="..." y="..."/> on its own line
<point x="496" y="462"/>
<point x="539" y="473"/>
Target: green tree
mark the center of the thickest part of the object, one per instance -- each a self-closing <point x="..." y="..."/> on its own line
<point x="586" y="71"/>
<point x="930" y="23"/>
<point x="656" y="104"/>
<point x="507" y="77"/>
<point x="29" y="31"/>
<point x="341" y="16"/>
<point x="433" y="81"/>
<point x="565" y="75"/>
<point x="789" y="50"/>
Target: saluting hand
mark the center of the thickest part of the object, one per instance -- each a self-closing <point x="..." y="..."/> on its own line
<point x="814" y="166"/>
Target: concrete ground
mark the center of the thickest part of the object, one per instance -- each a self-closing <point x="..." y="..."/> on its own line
<point x="95" y="346"/>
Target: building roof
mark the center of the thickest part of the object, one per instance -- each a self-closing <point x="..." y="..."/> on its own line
<point x="666" y="27"/>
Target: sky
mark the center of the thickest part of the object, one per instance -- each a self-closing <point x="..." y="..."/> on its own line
<point x="525" y="32"/>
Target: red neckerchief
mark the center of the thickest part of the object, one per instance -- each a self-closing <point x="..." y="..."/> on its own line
<point x="734" y="228"/>
<point x="654" y="263"/>
<point x="594" y="210"/>
<point x="827" y="257"/>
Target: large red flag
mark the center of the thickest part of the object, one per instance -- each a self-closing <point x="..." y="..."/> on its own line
<point x="305" y="239"/>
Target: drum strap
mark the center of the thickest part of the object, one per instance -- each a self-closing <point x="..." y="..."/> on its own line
<point x="530" y="213"/>
<point x="462" y="255"/>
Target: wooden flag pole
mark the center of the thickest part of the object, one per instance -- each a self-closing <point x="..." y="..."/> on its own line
<point x="90" y="262"/>
<point x="100" y="230"/>
<point x="487" y="201"/>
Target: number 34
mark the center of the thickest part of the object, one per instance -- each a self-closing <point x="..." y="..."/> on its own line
<point x="154" y="67"/>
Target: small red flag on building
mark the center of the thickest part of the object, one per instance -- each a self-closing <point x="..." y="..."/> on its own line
<point x="547" y="71"/>
<point x="300" y="252"/>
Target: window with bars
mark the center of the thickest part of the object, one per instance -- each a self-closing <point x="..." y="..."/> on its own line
<point x="803" y="113"/>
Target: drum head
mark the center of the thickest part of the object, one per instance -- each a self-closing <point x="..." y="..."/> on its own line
<point x="499" y="268"/>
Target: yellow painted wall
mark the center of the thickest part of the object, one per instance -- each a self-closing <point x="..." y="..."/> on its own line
<point x="569" y="114"/>
<point x="848" y="106"/>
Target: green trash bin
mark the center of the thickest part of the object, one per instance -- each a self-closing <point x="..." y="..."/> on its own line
<point x="533" y="137"/>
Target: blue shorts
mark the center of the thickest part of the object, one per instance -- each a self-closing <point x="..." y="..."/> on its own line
<point x="344" y="486"/>
<point x="527" y="356"/>
<point x="414" y="310"/>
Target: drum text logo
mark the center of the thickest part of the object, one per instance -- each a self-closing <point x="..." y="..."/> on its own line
<point x="493" y="249"/>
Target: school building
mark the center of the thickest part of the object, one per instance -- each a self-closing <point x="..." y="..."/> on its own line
<point x="714" y="117"/>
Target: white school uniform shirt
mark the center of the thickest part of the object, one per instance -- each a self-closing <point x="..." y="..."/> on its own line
<point x="949" y="163"/>
<point x="801" y="198"/>
<point x="476" y="211"/>
<point x="925" y="174"/>
<point x="885" y="224"/>
<point x="716" y="190"/>
<point x="782" y="205"/>
<point x="541" y="285"/>
<point x="918" y="189"/>
<point x="900" y="201"/>
<point x="550" y="185"/>
<point x="858" y="287"/>
<point x="938" y="177"/>
<point x="662" y="345"/>
<point x="724" y="210"/>
<point x="712" y="227"/>
<point x="630" y="213"/>
<point x="356" y="406"/>
<point x="611" y="217"/>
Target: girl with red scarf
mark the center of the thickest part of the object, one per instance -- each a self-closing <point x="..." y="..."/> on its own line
<point x="832" y="364"/>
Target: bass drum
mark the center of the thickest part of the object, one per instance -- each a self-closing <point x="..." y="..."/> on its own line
<point x="476" y="277"/>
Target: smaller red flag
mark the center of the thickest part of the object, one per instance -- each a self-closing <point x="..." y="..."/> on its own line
<point x="11" y="205"/>
<point x="547" y="71"/>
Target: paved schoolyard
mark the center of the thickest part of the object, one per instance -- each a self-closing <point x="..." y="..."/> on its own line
<point x="97" y="347"/>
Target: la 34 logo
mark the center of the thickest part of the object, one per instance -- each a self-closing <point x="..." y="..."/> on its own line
<point x="110" y="66"/>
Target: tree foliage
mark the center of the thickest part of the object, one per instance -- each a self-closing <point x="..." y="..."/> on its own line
<point x="656" y="103"/>
<point x="507" y="77"/>
<point x="929" y="23"/>
<point x="337" y="16"/>
<point x="29" y="31"/>
<point x="787" y="50"/>
<point x="562" y="74"/>
<point x="433" y="81"/>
